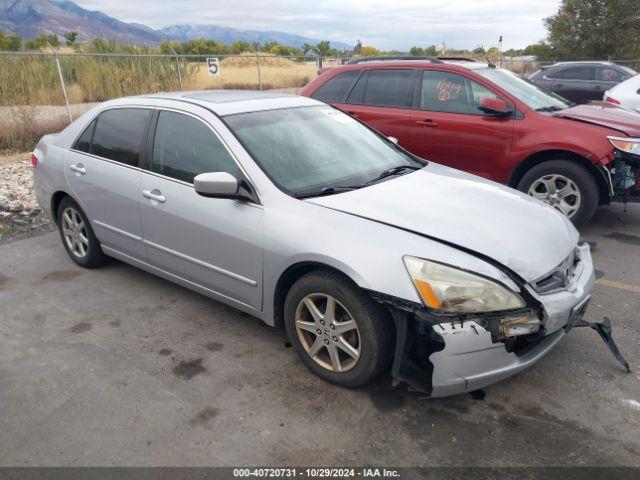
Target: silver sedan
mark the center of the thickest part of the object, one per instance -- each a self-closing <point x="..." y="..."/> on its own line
<point x="296" y="213"/>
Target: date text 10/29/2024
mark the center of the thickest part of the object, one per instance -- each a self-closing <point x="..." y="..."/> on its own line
<point x="315" y="473"/>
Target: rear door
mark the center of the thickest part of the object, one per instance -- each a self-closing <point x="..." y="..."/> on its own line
<point x="449" y="128"/>
<point x="576" y="83"/>
<point x="102" y="170"/>
<point x="382" y="99"/>
<point x="212" y="242"/>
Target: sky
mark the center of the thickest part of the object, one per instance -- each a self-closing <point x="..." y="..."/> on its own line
<point x="385" y="24"/>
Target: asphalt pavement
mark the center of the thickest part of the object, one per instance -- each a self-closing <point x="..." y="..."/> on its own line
<point x="117" y="367"/>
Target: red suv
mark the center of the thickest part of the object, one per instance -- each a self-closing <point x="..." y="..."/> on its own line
<point x="493" y="123"/>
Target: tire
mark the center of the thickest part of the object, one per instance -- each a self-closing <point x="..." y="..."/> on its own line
<point x="80" y="242"/>
<point x="372" y="339"/>
<point x="564" y="172"/>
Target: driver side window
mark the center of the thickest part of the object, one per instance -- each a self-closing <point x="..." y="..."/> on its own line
<point x="449" y="92"/>
<point x="184" y="147"/>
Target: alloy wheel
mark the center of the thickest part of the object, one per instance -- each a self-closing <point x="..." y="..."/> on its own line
<point x="328" y="332"/>
<point x="75" y="232"/>
<point x="560" y="192"/>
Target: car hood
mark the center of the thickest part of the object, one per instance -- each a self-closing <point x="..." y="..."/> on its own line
<point x="472" y="213"/>
<point x="606" y="115"/>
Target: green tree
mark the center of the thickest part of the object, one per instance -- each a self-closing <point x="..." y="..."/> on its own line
<point x="240" y="46"/>
<point x="369" y="51"/>
<point x="70" y="38"/>
<point x="595" y="29"/>
<point x="479" y="51"/>
<point x="323" y="49"/>
<point x="9" y="43"/>
<point x="42" y="41"/>
<point x="416" y="51"/>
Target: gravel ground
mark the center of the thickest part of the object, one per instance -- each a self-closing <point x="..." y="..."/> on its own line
<point x="20" y="216"/>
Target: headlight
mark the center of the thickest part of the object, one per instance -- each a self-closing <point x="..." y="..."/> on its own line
<point x="629" y="145"/>
<point x="450" y="290"/>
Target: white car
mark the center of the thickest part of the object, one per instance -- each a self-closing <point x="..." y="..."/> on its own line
<point x="626" y="93"/>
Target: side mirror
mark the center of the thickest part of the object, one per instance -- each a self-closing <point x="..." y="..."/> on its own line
<point x="393" y="140"/>
<point x="216" y="184"/>
<point x="495" y="107"/>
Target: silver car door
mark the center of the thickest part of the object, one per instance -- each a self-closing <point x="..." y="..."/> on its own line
<point x="103" y="173"/>
<point x="212" y="242"/>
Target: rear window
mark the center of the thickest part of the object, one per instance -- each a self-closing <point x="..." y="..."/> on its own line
<point x="334" y="89"/>
<point x="384" y="88"/>
<point x="83" y="143"/>
<point x="119" y="134"/>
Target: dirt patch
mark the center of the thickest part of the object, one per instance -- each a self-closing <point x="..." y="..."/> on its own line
<point x="190" y="369"/>
<point x="625" y="238"/>
<point x="203" y="416"/>
<point x="214" y="346"/>
<point x="81" y="327"/>
<point x="165" y="352"/>
<point x="60" y="276"/>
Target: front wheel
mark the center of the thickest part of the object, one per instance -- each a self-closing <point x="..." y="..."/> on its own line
<point x="340" y="333"/>
<point x="565" y="185"/>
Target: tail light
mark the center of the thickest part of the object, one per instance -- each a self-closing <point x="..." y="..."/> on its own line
<point x="612" y="100"/>
<point x="34" y="161"/>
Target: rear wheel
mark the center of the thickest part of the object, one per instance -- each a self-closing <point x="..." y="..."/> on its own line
<point x="339" y="332"/>
<point x="77" y="235"/>
<point x="565" y="185"/>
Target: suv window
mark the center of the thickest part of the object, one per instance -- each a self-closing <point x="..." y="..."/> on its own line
<point x="333" y="89"/>
<point x="574" y="73"/>
<point x="118" y="134"/>
<point x="450" y="92"/>
<point x="606" y="74"/>
<point x="184" y="147"/>
<point x="383" y="88"/>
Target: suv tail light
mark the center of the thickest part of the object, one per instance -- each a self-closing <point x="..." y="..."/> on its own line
<point x="34" y="160"/>
<point x="612" y="100"/>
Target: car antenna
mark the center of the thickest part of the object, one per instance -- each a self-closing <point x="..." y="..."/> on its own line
<point x="491" y="65"/>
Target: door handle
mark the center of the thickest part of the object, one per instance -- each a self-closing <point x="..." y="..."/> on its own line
<point x="78" y="168"/>
<point x="154" y="195"/>
<point x="427" y="123"/>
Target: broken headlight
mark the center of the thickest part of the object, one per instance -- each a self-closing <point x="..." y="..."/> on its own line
<point x="451" y="290"/>
<point x="625" y="144"/>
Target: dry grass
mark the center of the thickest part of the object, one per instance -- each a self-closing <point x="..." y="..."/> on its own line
<point x="243" y="73"/>
<point x="22" y="131"/>
<point x="31" y="96"/>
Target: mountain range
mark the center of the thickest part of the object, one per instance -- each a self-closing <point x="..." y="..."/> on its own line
<point x="28" y="18"/>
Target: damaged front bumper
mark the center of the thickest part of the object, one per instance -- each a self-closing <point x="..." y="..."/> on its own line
<point x="443" y="357"/>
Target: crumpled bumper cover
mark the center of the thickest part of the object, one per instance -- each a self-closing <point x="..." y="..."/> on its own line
<point x="463" y="356"/>
<point x="471" y="360"/>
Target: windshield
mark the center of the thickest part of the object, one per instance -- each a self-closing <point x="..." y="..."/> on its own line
<point x="524" y="90"/>
<point x="319" y="150"/>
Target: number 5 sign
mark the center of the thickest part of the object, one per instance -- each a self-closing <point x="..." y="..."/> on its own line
<point x="214" y="66"/>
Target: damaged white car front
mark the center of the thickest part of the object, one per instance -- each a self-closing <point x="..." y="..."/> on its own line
<point x="474" y="330"/>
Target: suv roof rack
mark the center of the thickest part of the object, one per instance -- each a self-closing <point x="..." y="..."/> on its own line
<point x="391" y="58"/>
<point x="458" y="59"/>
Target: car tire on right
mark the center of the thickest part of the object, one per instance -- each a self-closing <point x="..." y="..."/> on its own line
<point x="565" y="185"/>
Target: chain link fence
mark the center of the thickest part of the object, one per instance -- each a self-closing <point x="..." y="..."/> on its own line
<point x="41" y="92"/>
